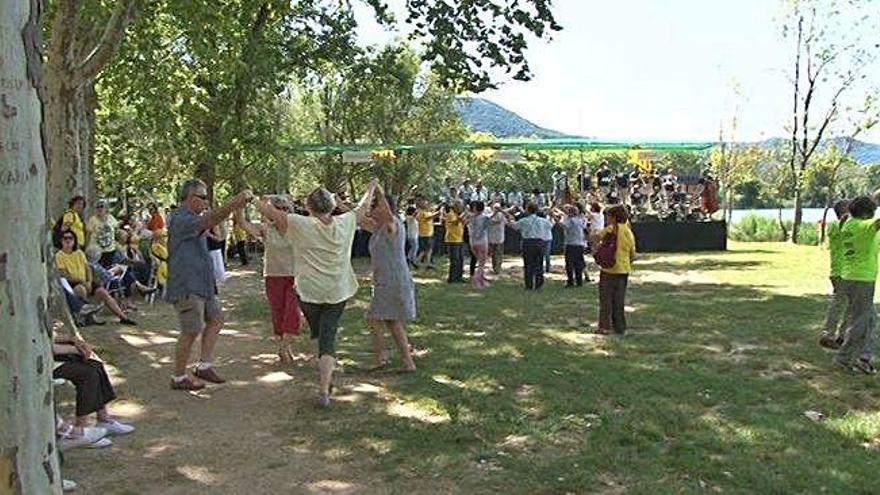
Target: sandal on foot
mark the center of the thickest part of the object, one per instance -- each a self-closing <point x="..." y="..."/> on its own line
<point x="864" y="366"/>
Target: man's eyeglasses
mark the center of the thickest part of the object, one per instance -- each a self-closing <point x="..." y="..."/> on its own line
<point x="203" y="197"/>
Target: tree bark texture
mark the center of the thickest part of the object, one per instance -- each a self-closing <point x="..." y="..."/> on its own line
<point x="28" y="460"/>
<point x="73" y="62"/>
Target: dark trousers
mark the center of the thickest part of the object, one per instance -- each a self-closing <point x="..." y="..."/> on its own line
<point x="612" y="297"/>
<point x="241" y="247"/>
<point x="533" y="262"/>
<point x="93" y="388"/>
<point x="456" y="261"/>
<point x="323" y="322"/>
<point x="473" y="261"/>
<point x="574" y="265"/>
<point x="496" y="251"/>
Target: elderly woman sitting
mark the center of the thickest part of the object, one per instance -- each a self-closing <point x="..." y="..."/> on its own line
<point x="79" y="365"/>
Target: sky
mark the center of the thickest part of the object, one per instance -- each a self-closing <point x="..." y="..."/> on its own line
<point x="657" y="69"/>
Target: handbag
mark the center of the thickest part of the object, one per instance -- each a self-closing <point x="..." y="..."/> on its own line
<point x="606" y="252"/>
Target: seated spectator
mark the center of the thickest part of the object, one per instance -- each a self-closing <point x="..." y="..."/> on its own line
<point x="82" y="312"/>
<point x="156" y="221"/>
<point x="134" y="259"/>
<point x="80" y="366"/>
<point x="159" y="251"/>
<point x="68" y="436"/>
<point x="74" y="267"/>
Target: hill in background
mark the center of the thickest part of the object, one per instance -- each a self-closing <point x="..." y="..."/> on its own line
<point x="482" y="115"/>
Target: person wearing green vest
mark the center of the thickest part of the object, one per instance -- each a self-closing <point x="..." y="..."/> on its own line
<point x="832" y="336"/>
<point x="858" y="275"/>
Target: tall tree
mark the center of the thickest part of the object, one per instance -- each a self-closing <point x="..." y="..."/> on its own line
<point x="83" y="36"/>
<point x="835" y="47"/>
<point x="28" y="461"/>
<point x="232" y="61"/>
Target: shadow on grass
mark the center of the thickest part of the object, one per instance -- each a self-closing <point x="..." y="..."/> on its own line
<point x="515" y="394"/>
<point x="708" y="390"/>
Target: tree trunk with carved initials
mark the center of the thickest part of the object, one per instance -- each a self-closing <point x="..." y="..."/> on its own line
<point x="28" y="461"/>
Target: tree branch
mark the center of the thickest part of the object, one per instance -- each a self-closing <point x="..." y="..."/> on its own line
<point x="110" y="40"/>
<point x="829" y="116"/>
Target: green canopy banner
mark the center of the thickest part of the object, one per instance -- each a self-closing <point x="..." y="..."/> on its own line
<point x="518" y="144"/>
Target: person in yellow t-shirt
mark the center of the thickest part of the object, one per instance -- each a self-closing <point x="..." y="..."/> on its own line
<point x="425" y="217"/>
<point x="613" y="280"/>
<point x="72" y="219"/>
<point x="72" y="264"/>
<point x="453" y="220"/>
<point x="159" y="250"/>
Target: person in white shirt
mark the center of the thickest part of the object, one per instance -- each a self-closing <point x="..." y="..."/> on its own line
<point x="480" y="192"/>
<point x="595" y="220"/>
<point x="515" y="199"/>
<point x="573" y="225"/>
<point x="466" y="193"/>
<point x="411" y="226"/>
<point x="278" y="274"/>
<point x="101" y="230"/>
<point x="325" y="279"/>
<point x="533" y="230"/>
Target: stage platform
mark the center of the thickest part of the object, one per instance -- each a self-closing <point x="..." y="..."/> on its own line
<point x="651" y="237"/>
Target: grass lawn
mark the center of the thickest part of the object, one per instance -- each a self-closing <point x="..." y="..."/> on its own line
<point x="706" y="393"/>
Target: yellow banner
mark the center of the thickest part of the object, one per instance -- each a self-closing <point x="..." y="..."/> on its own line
<point x="644" y="159"/>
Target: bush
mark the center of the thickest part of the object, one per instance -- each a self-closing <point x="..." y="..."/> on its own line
<point x="756" y="228"/>
<point x="809" y="234"/>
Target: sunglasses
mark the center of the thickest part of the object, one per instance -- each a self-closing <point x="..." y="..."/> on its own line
<point x="67" y="238"/>
<point x="203" y="197"/>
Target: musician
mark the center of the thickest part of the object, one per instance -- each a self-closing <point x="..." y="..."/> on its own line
<point x="708" y="194"/>
<point x="603" y="179"/>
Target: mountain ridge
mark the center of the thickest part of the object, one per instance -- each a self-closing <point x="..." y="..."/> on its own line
<point x="482" y="115"/>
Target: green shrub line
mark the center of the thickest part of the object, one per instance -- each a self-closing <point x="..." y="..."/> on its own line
<point x="756" y="228"/>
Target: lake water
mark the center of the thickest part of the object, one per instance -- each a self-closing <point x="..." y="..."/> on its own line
<point x="811" y="215"/>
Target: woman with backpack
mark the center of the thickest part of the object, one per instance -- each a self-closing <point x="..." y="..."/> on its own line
<point x="615" y="250"/>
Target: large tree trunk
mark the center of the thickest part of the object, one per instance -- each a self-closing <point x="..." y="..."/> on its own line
<point x="28" y="460"/>
<point x="73" y="63"/>
<point x="70" y="117"/>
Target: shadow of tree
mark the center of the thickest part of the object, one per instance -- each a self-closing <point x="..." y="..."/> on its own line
<point x="514" y="393"/>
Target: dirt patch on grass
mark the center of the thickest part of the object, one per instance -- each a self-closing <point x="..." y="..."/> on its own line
<point x="221" y="440"/>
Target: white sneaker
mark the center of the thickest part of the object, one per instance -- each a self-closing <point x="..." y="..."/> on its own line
<point x="115" y="427"/>
<point x="68" y="485"/>
<point x="100" y="444"/>
<point x="90" y="436"/>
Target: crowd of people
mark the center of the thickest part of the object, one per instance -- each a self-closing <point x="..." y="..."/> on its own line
<point x="105" y="264"/>
<point x="647" y="194"/>
<point x="475" y="220"/>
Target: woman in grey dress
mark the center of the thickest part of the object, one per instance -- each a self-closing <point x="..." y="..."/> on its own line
<point x="393" y="299"/>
